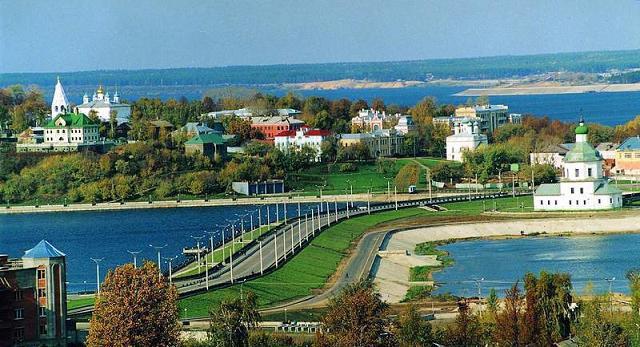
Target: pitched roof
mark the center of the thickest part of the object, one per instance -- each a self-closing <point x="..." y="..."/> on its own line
<point x="548" y="189"/>
<point x="607" y="189"/>
<point x="214" y="138"/>
<point x="43" y="250"/>
<point x="630" y="144"/>
<point x="71" y="120"/>
<point x="606" y="146"/>
<point x="582" y="152"/>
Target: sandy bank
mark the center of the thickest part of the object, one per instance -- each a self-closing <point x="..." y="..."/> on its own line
<point x="551" y="89"/>
<point x="394" y="289"/>
<point x="351" y="84"/>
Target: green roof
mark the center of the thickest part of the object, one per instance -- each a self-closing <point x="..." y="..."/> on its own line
<point x="75" y="120"/>
<point x="607" y="189"/>
<point x="582" y="129"/>
<point x="582" y="152"/>
<point x="206" y="138"/>
<point x="548" y="189"/>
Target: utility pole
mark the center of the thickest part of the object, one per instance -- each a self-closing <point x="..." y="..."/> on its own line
<point x="395" y="193"/>
<point x="158" y="248"/>
<point x="299" y="233"/>
<point x="369" y="201"/>
<point x="135" y="257"/>
<point x="351" y="187"/>
<point x="275" y="246"/>
<point x="251" y="221"/>
<point x="268" y="218"/>
<point x="335" y="208"/>
<point x="231" y="266"/>
<point x="211" y="233"/>
<point x="284" y="243"/>
<point x="299" y="212"/>
<point x="292" y="241"/>
<point x="306" y="226"/>
<point x="277" y="213"/>
<point x="328" y="214"/>
<point x="97" y="261"/>
<point x="285" y="212"/>
<point x="313" y="223"/>
<point x="224" y="229"/>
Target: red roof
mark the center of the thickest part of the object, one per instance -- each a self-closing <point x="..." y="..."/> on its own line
<point x="311" y="132"/>
<point x="286" y="133"/>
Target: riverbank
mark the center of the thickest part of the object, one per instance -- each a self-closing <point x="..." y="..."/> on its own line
<point x="540" y="89"/>
<point x="393" y="275"/>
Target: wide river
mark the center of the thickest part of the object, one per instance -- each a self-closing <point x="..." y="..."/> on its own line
<point x="588" y="259"/>
<point x="109" y="234"/>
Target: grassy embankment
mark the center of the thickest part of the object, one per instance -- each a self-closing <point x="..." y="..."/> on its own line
<point x="310" y="269"/>
<point x="365" y="177"/>
<point x="215" y="257"/>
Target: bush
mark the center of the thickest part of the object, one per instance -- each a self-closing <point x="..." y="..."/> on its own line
<point x="348" y="167"/>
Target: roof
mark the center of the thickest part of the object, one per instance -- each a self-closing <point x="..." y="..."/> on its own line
<point x="606" y="146"/>
<point x="607" y="189"/>
<point x="311" y="132"/>
<point x="71" y="120"/>
<point x="562" y="148"/>
<point x="275" y="120"/>
<point x="198" y="128"/>
<point x="161" y="124"/>
<point x="43" y="250"/>
<point x="548" y="189"/>
<point x="102" y="104"/>
<point x="582" y="152"/>
<point x="630" y="144"/>
<point x="582" y="129"/>
<point x="214" y="138"/>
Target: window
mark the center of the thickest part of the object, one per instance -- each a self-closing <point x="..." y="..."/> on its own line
<point x="584" y="202"/>
<point x="577" y="172"/>
<point x="637" y="155"/>
<point x="43" y="329"/>
<point x="627" y="155"/>
<point x="581" y="190"/>
<point x="569" y="202"/>
<point x="556" y="202"/>
<point x="610" y="200"/>
<point x="572" y="191"/>
<point x="41" y="274"/>
<point x="598" y="201"/>
<point x="42" y="293"/>
<point x="18" y="334"/>
<point x="18" y="295"/>
<point x="43" y="311"/>
<point x="18" y="313"/>
<point x="589" y="172"/>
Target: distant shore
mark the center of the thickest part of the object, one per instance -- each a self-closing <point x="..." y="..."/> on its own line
<point x="540" y="89"/>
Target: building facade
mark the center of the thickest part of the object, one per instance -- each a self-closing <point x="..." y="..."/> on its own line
<point x="271" y="126"/>
<point x="552" y="155"/>
<point x="102" y="104"/>
<point x="305" y="137"/>
<point x="211" y="145"/>
<point x="33" y="298"/>
<point x="627" y="157"/>
<point x="583" y="185"/>
<point x="489" y="117"/>
<point x="382" y="143"/>
<point x="368" y="120"/>
<point x="466" y="137"/>
<point x="60" y="103"/>
<point x="405" y="125"/>
<point x="66" y="132"/>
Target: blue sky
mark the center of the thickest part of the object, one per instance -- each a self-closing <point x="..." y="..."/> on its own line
<point x="70" y="35"/>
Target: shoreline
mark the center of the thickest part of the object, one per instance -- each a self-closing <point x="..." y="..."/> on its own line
<point x="533" y="89"/>
<point x="394" y="288"/>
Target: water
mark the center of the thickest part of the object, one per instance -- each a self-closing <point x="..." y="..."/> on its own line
<point x="604" y="108"/>
<point x="109" y="234"/>
<point x="588" y="259"/>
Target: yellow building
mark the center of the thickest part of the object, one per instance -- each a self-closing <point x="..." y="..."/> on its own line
<point x="383" y="143"/>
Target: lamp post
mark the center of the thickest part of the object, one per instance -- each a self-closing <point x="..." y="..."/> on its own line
<point x="158" y="248"/>
<point x="135" y="257"/>
<point x="277" y="213"/>
<point x="97" y="261"/>
<point x="328" y="214"/>
<point x="299" y="233"/>
<point x="211" y="233"/>
<point x="170" y="260"/>
<point x="275" y="246"/>
<point x="395" y="194"/>
<point x="198" y="238"/>
<point x="610" y="280"/>
<point x="285" y="212"/>
<point x="313" y="223"/>
<point x="335" y="208"/>
<point x="306" y="226"/>
<point x="261" y="269"/>
<point x="369" y="201"/>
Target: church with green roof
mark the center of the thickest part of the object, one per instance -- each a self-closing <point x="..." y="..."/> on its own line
<point x="583" y="185"/>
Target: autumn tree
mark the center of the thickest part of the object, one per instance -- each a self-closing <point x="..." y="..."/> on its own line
<point x="136" y="307"/>
<point x="510" y="329"/>
<point x="547" y="300"/>
<point x="355" y="317"/>
<point x="595" y="329"/>
<point x="424" y="111"/>
<point x="407" y="176"/>
<point x="378" y="105"/>
<point x="357" y="106"/>
<point x="466" y="329"/>
<point x="231" y="322"/>
<point x="411" y="330"/>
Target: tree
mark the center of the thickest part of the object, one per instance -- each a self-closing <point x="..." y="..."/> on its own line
<point x="378" y="105"/>
<point x="407" y="176"/>
<point x="113" y="123"/>
<point x="482" y="100"/>
<point x="357" y="106"/>
<point x="411" y="330"/>
<point x="19" y="120"/>
<point x="510" y="322"/>
<point x="447" y="171"/>
<point x="208" y="105"/>
<point x="329" y="149"/>
<point x="136" y="307"/>
<point x="492" y="301"/>
<point x="547" y="299"/>
<point x="231" y="322"/>
<point x="594" y="329"/>
<point x="424" y="111"/>
<point x="466" y="330"/>
<point x="355" y="317"/>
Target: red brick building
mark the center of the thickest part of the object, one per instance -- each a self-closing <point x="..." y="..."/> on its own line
<point x="33" y="298"/>
<point x="271" y="126"/>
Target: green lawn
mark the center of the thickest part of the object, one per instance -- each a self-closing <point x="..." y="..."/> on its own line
<point x="365" y="177"/>
<point x="80" y="302"/>
<point x="307" y="271"/>
<point x="215" y="257"/>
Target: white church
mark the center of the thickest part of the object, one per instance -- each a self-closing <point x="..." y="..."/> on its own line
<point x="103" y="104"/>
<point x="582" y="186"/>
<point x="466" y="137"/>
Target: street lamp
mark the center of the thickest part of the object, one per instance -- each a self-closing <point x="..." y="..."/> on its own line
<point x="135" y="257"/>
<point x="158" y="248"/>
<point x="97" y="261"/>
<point x="198" y="238"/>
<point x="170" y="260"/>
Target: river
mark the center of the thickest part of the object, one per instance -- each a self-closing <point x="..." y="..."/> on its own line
<point x="109" y="234"/>
<point x="588" y="259"/>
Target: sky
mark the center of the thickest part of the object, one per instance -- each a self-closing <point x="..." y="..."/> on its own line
<point x="76" y="35"/>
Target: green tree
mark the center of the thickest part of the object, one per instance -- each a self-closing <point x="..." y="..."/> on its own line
<point x="231" y="322"/>
<point x="466" y="329"/>
<point x="424" y="111"/>
<point x="447" y="171"/>
<point x="357" y="106"/>
<point x="510" y="322"/>
<point x="411" y="330"/>
<point x="407" y="176"/>
<point x="136" y="307"/>
<point x="547" y="299"/>
<point x="329" y="149"/>
<point x="492" y="301"/>
<point x="595" y="329"/>
<point x="113" y="123"/>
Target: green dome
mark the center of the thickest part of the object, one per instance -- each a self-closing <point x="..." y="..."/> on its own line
<point x="582" y="129"/>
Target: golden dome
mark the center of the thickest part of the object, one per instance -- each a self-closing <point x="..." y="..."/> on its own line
<point x="100" y="90"/>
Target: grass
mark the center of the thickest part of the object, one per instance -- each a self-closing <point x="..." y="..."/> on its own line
<point x="421" y="273"/>
<point x="215" y="257"/>
<point x="417" y="293"/>
<point x="306" y="272"/>
<point x="429" y="248"/>
<point x="80" y="302"/>
<point x="365" y="177"/>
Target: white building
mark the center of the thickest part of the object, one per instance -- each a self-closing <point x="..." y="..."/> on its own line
<point x="405" y="125"/>
<point x="60" y="103"/>
<point x="552" y="155"/>
<point x="103" y="104"/>
<point x="305" y="137"/>
<point x="583" y="185"/>
<point x="466" y="137"/>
